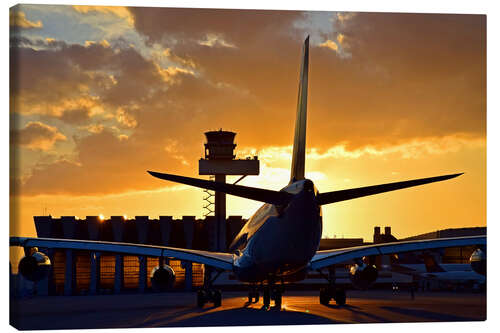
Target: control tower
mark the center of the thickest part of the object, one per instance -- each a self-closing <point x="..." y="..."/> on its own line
<point x="220" y="161"/>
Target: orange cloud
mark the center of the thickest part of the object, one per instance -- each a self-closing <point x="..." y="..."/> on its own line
<point x="330" y="44"/>
<point x="18" y="19"/>
<point x="214" y="40"/>
<point x="121" y="12"/>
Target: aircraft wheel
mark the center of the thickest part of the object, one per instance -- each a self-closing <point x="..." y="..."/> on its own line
<point x="267" y="298"/>
<point x="217" y="298"/>
<point x="277" y="300"/>
<point x="201" y="298"/>
<point x="324" y="296"/>
<point x="340" y="297"/>
<point x="253" y="297"/>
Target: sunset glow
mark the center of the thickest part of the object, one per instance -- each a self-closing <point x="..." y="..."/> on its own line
<point x="121" y="90"/>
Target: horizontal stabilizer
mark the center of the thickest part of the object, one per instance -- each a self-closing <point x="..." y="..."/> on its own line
<point x="258" y="194"/>
<point x="353" y="193"/>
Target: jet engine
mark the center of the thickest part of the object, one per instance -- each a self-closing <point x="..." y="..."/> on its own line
<point x="363" y="274"/>
<point x="478" y="261"/>
<point x="35" y="265"/>
<point x="162" y="278"/>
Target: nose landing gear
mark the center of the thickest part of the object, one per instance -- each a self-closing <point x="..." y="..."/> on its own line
<point x="273" y="292"/>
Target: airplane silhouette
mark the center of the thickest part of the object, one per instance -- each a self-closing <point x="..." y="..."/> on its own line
<point x="279" y="243"/>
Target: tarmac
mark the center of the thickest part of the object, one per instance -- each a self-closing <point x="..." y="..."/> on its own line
<point x="179" y="309"/>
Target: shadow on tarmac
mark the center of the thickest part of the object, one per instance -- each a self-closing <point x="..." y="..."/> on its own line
<point x="427" y="315"/>
<point x="245" y="317"/>
<point x="355" y="310"/>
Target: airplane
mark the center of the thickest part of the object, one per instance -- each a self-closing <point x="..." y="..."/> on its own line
<point x="451" y="274"/>
<point x="278" y="244"/>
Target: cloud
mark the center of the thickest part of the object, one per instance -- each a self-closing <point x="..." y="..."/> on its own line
<point x="121" y="12"/>
<point x="330" y="44"/>
<point x="170" y="74"/>
<point x="75" y="116"/>
<point x="396" y="88"/>
<point x="413" y="149"/>
<point x="125" y="119"/>
<point x="105" y="164"/>
<point x="37" y="136"/>
<point x="214" y="40"/>
<point x="18" y="20"/>
<point x="416" y="148"/>
<point x="343" y="17"/>
<point x="163" y="24"/>
<point x="339" y="46"/>
<point x="94" y="128"/>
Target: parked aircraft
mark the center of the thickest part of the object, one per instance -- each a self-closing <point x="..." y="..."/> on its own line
<point x="454" y="275"/>
<point x="279" y="243"/>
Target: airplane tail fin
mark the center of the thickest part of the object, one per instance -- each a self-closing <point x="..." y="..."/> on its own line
<point x="299" y="142"/>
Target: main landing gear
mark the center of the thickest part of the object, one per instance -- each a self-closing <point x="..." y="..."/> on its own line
<point x="208" y="294"/>
<point x="331" y="291"/>
<point x="274" y="292"/>
<point x="253" y="295"/>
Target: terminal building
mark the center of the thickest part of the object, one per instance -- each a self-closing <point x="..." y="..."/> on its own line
<point x="84" y="272"/>
<point x="80" y="272"/>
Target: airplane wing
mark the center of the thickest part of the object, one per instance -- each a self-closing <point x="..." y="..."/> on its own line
<point x="215" y="259"/>
<point x="353" y="193"/>
<point x="330" y="257"/>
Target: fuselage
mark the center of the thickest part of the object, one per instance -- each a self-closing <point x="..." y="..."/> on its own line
<point x="279" y="241"/>
<point x="456" y="276"/>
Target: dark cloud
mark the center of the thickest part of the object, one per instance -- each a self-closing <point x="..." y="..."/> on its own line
<point x="37" y="136"/>
<point x="75" y="116"/>
<point x="106" y="164"/>
<point x="409" y="75"/>
<point x="192" y="25"/>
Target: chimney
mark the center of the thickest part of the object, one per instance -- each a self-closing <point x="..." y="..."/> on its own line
<point x="376" y="234"/>
<point x="387" y="231"/>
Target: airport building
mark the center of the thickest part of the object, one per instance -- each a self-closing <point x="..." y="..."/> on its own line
<point x="77" y="272"/>
<point x="85" y="272"/>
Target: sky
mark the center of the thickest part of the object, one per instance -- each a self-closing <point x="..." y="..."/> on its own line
<point x="99" y="95"/>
